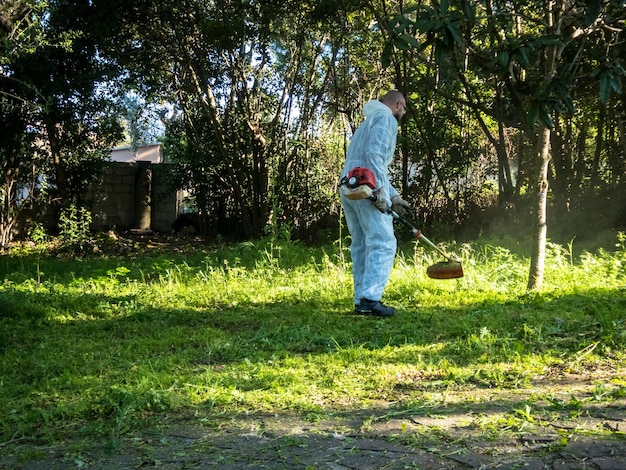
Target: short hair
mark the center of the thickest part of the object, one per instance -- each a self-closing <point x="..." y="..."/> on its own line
<point x="392" y="97"/>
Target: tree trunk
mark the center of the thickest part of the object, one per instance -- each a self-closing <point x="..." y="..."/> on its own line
<point x="57" y="161"/>
<point x="561" y="161"/>
<point x="505" y="181"/>
<point x="622" y="140"/>
<point x="6" y="205"/>
<point x="598" y="148"/>
<point x="579" y="163"/>
<point x="537" y="262"/>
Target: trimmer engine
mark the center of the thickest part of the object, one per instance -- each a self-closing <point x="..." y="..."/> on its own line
<point x="359" y="176"/>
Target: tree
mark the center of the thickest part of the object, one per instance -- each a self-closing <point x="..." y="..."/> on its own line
<point x="19" y="32"/>
<point x="528" y="56"/>
<point x="74" y="116"/>
<point x="249" y="81"/>
<point x="50" y="74"/>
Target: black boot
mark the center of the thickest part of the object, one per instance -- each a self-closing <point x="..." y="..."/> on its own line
<point x="374" y="307"/>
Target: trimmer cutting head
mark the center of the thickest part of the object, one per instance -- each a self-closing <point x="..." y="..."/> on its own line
<point x="445" y="270"/>
<point x="449" y="269"/>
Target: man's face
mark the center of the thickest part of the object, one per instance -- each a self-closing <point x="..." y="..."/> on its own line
<point x="400" y="110"/>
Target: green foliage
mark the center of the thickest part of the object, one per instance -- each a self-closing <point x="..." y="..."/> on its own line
<point x="37" y="234"/>
<point x="104" y="345"/>
<point x="74" y="223"/>
<point x="260" y="118"/>
<point x="609" y="73"/>
<point x="260" y="137"/>
<point x="57" y="122"/>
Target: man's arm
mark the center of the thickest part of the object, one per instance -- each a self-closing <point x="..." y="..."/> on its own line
<point x="379" y="153"/>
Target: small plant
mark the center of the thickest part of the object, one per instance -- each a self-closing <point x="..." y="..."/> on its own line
<point x="525" y="413"/>
<point x="38" y="234"/>
<point x="74" y="223"/>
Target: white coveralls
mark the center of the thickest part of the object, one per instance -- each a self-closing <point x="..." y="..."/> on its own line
<point x="373" y="245"/>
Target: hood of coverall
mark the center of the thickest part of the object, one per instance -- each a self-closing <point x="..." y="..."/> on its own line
<point x="373" y="107"/>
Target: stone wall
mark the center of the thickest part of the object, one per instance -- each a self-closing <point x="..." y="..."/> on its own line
<point x="133" y="196"/>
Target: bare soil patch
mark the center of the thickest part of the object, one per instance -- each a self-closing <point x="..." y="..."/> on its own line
<point x="469" y="429"/>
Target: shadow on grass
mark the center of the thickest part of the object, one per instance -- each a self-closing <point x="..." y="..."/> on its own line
<point x="108" y="370"/>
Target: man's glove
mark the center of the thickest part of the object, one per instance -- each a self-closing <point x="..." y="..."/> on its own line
<point x="400" y="206"/>
<point x="381" y="204"/>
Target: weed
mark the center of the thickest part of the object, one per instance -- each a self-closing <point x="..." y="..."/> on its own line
<point x="74" y="225"/>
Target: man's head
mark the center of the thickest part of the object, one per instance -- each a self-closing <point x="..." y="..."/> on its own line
<point x="396" y="102"/>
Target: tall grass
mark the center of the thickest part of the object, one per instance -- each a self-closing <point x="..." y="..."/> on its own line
<point x="104" y="344"/>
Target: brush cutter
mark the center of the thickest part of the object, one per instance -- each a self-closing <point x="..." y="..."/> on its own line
<point x="360" y="183"/>
<point x="449" y="269"/>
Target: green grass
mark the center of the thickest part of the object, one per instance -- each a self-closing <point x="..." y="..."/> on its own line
<point x="107" y="344"/>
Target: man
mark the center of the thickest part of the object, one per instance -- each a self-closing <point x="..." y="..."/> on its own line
<point x="373" y="245"/>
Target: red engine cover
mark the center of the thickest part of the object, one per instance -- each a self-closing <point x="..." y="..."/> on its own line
<point x="358" y="176"/>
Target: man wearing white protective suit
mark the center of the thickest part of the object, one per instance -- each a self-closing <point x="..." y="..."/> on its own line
<point x="373" y="245"/>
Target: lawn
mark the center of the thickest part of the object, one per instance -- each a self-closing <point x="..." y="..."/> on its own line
<point x="105" y="344"/>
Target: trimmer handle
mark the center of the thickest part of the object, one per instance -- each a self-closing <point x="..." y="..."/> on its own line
<point x="419" y="235"/>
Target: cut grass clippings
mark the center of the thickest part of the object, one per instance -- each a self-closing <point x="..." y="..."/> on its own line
<point x="106" y="344"/>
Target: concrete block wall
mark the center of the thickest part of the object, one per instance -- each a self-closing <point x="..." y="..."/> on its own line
<point x="166" y="204"/>
<point x="133" y="196"/>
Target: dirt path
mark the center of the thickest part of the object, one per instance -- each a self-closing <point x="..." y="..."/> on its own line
<point x="579" y="426"/>
<point x="341" y="443"/>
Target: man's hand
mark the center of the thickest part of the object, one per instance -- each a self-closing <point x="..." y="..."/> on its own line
<point x="400" y="206"/>
<point x="381" y="204"/>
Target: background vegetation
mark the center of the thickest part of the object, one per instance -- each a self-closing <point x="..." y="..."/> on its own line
<point x="256" y="102"/>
